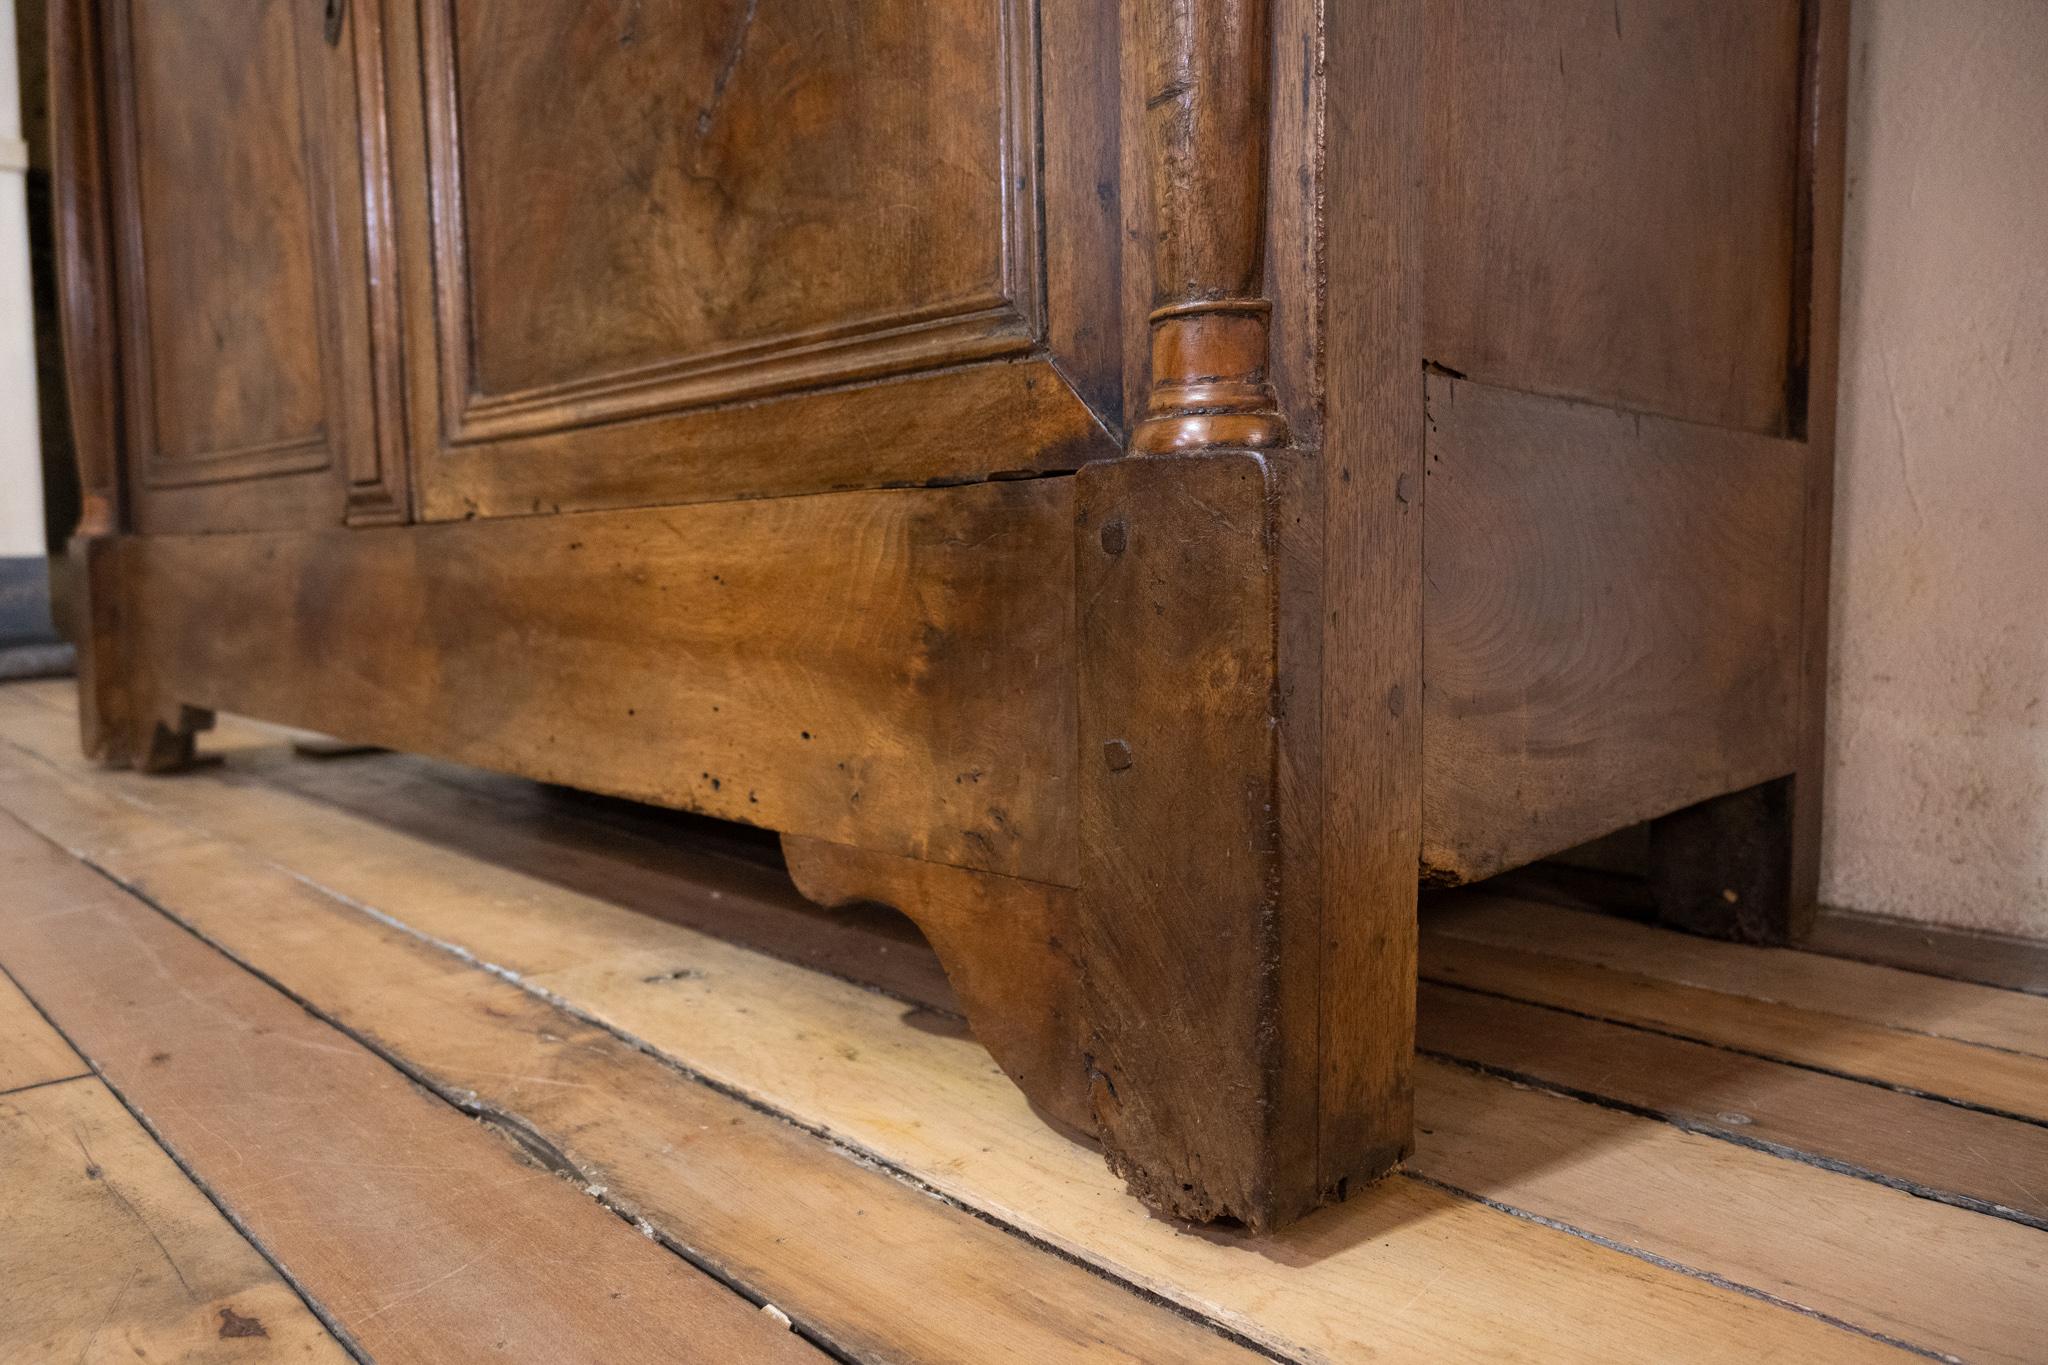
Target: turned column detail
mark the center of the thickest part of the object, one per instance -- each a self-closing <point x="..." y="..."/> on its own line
<point x="1207" y="124"/>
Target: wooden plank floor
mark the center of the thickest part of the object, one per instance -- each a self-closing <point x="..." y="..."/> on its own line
<point x="312" y="1057"/>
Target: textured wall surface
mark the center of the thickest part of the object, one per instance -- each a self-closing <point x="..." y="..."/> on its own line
<point x="1938" y="754"/>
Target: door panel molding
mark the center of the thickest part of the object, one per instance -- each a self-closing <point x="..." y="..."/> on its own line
<point x="677" y="387"/>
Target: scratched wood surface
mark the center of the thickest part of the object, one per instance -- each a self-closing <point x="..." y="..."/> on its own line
<point x="1611" y="1162"/>
<point x="108" y="1252"/>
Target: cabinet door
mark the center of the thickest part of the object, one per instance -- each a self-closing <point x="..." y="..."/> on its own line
<point x="688" y="251"/>
<point x="238" y="214"/>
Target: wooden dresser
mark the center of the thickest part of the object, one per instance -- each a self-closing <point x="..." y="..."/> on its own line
<point x="1137" y="486"/>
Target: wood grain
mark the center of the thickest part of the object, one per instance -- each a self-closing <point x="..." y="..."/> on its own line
<point x="585" y="260"/>
<point x="408" y="1224"/>
<point x="1611" y="622"/>
<point x="2004" y="1082"/>
<point x="637" y="206"/>
<point x="1006" y="417"/>
<point x="1206" y="1111"/>
<point x="1008" y="947"/>
<point x="1401" y="1269"/>
<point x="31" y="1052"/>
<point x="1611" y="201"/>
<point x="1934" y="1149"/>
<point x="1205" y="66"/>
<point x="870" y="1265"/>
<point x="674" y="281"/>
<point x="107" y="1251"/>
<point x="1942" y="1279"/>
<point x="1912" y="1001"/>
<point x="1366" y="611"/>
<point x="242" y="283"/>
<point x="824" y="666"/>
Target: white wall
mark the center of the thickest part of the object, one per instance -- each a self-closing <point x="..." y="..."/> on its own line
<point x="1938" y="751"/>
<point x="21" y="469"/>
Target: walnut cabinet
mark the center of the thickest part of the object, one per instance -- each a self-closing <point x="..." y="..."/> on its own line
<point x="1139" y="487"/>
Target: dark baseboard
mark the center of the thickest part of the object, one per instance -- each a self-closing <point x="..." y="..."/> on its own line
<point x="25" y="601"/>
<point x="2016" y="964"/>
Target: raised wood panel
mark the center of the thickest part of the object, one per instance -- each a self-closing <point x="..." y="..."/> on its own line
<point x="636" y="223"/>
<point x="653" y="198"/>
<point x="242" y="262"/>
<point x="1610" y="621"/>
<point x="1612" y="204"/>
<point x="888" y="669"/>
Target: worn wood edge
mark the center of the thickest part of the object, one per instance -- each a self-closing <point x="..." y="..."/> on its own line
<point x="873" y="1299"/>
<point x="1307" y="1268"/>
<point x="1366" y="487"/>
<point x="1823" y="127"/>
<point x="1214" y="1115"/>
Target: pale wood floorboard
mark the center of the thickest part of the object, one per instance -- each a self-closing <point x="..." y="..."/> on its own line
<point x="107" y="1251"/>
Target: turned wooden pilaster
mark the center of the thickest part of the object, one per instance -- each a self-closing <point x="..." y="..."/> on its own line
<point x="1207" y="124"/>
<point x="84" y="262"/>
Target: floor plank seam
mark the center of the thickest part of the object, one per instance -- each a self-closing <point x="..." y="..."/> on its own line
<point x="313" y="1305"/>
<point x="1680" y="1268"/>
<point x="1721" y="1046"/>
<point x="1784" y="1152"/>
<point x="501" y="1121"/>
<point x="510" y="1128"/>
<point x="1679" y="980"/>
<point x="38" y="1085"/>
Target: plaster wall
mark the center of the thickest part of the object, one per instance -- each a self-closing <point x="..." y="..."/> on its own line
<point x="1937" y="803"/>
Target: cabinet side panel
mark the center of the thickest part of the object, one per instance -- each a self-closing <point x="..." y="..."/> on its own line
<point x="1611" y="201"/>
<point x="1611" y="621"/>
